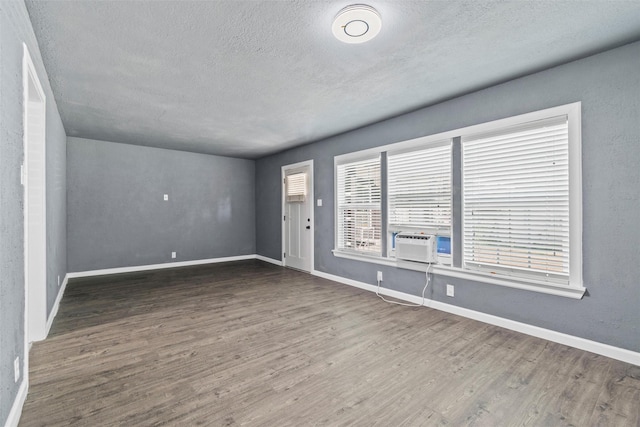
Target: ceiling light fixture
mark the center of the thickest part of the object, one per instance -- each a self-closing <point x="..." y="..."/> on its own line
<point x="357" y="23"/>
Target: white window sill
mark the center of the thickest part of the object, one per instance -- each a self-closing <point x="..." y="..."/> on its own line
<point x="366" y="258"/>
<point x="540" y="286"/>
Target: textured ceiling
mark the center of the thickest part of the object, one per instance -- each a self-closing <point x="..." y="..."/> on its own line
<point x="249" y="78"/>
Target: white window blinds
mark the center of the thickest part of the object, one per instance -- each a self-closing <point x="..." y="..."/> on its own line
<point x="516" y="200"/>
<point x="359" y="225"/>
<point x="419" y="185"/>
<point x="296" y="187"/>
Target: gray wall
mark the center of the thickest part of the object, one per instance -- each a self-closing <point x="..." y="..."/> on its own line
<point x="608" y="84"/>
<point x="117" y="216"/>
<point x="15" y="28"/>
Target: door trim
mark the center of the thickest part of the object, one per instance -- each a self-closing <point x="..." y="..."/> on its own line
<point x="35" y="302"/>
<point x="312" y="209"/>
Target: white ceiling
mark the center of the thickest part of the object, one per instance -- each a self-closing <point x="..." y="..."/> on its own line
<point x="249" y="78"/>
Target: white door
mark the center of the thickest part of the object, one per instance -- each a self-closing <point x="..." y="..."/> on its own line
<point x="35" y="220"/>
<point x="298" y="223"/>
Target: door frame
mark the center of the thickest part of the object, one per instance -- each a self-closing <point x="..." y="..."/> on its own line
<point x="284" y="170"/>
<point x="35" y="308"/>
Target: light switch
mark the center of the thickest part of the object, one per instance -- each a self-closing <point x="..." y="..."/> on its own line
<point x="319" y="202"/>
<point x="166" y="197"/>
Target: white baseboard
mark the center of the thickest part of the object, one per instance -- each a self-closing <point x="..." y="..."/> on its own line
<point x="16" y="409"/>
<point x="56" y="305"/>
<point x="270" y="260"/>
<point x="607" y="350"/>
<point x="119" y="270"/>
<point x="548" y="334"/>
<point x="354" y="283"/>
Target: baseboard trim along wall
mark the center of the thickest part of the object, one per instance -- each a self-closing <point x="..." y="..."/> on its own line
<point x="119" y="270"/>
<point x="617" y="353"/>
<point x="56" y="305"/>
<point x="16" y="409"/>
<point x="270" y="260"/>
<point x="548" y="334"/>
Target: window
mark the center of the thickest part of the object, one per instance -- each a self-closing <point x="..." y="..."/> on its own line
<point x="419" y="188"/>
<point x="516" y="200"/>
<point x="296" y="187"/>
<point x="504" y="199"/>
<point x="359" y="223"/>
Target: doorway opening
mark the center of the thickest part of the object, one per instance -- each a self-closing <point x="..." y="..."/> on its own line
<point x="35" y="206"/>
<point x="297" y="216"/>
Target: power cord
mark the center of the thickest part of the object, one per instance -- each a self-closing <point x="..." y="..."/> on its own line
<point x="426" y="285"/>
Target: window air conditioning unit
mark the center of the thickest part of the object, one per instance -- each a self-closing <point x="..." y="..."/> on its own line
<point x="417" y="247"/>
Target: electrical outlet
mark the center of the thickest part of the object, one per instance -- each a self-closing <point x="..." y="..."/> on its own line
<point x="173" y="254"/>
<point x="16" y="369"/>
<point x="450" y="291"/>
<point x="166" y="197"/>
<point x="379" y="276"/>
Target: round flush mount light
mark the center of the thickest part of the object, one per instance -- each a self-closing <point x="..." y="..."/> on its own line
<point x="357" y="23"/>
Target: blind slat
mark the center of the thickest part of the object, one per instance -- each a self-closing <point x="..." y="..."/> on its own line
<point x="296" y="187"/>
<point x="516" y="198"/>
<point x="419" y="185"/>
<point x="359" y="214"/>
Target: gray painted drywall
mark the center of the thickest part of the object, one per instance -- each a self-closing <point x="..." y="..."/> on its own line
<point x="608" y="85"/>
<point x="117" y="216"/>
<point x="15" y="28"/>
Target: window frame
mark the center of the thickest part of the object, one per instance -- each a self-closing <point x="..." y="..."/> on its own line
<point x="573" y="114"/>
<point x="292" y="186"/>
<point x="520" y="166"/>
<point x="573" y="289"/>
<point x="394" y="226"/>
<point x="347" y="159"/>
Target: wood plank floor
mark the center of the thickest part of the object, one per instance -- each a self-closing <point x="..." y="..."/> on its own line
<point x="249" y="343"/>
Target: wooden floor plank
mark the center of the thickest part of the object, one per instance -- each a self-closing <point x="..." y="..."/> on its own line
<point x="249" y="343"/>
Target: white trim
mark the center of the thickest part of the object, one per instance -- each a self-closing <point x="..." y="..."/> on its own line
<point x="351" y="282"/>
<point x="575" y="288"/>
<point x="392" y="227"/>
<point x="364" y="258"/>
<point x="606" y="350"/>
<point x="16" y="409"/>
<point x="419" y="144"/>
<point x="63" y="286"/>
<point x="56" y="305"/>
<point x="269" y="260"/>
<point x="574" y="114"/>
<point x="574" y="119"/>
<point x="539" y="286"/>
<point x="512" y="282"/>
<point x="119" y="270"/>
<point x="312" y="208"/>
<point x="602" y="349"/>
<point x="359" y="156"/>
<point x="423" y="141"/>
<point x="342" y="160"/>
<point x="35" y="275"/>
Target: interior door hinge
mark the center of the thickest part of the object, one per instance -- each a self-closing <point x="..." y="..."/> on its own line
<point x="284" y="218"/>
<point x="284" y="255"/>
